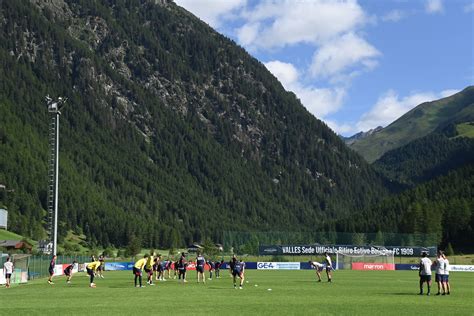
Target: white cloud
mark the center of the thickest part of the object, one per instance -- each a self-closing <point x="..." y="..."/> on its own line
<point x="342" y="55"/>
<point x="434" y="6"/>
<point x="318" y="101"/>
<point x="285" y="72"/>
<point x="341" y="129"/>
<point x="448" y="92"/>
<point x="286" y="22"/>
<point x="390" y="106"/>
<point x="248" y="33"/>
<point x="211" y="11"/>
<point x="469" y="8"/>
<point x="393" y="16"/>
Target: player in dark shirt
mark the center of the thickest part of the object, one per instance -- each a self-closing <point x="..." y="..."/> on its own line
<point x="212" y="268"/>
<point x="219" y="265"/>
<point x="238" y="271"/>
<point x="231" y="264"/>
<point x="200" y="262"/>
<point x="68" y="271"/>
<point x="101" y="268"/>
<point x="52" y="264"/>
<point x="182" y="264"/>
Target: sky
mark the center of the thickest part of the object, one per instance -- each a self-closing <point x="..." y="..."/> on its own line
<point x="355" y="64"/>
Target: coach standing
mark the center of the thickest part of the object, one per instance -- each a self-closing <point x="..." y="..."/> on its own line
<point x="425" y="272"/>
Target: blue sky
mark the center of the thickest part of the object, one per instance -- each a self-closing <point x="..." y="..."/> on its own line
<point x="354" y="64"/>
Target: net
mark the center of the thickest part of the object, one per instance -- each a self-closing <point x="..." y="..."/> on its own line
<point x="381" y="259"/>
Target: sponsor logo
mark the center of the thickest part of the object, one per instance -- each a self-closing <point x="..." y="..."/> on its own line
<point x="278" y="265"/>
<point x="462" y="268"/>
<point x="372" y="266"/>
<point x="270" y="250"/>
<point x="265" y="265"/>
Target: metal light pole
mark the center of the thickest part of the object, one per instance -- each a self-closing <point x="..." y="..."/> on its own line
<point x="54" y="107"/>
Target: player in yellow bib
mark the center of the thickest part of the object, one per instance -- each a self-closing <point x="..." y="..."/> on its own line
<point x="137" y="269"/>
<point x="149" y="268"/>
<point x="91" y="268"/>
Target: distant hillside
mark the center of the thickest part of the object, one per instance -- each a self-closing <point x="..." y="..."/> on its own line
<point x="442" y="207"/>
<point x="361" y="135"/>
<point x="427" y="158"/>
<point x="417" y="123"/>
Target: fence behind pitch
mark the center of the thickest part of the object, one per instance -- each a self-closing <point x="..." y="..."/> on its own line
<point x="38" y="266"/>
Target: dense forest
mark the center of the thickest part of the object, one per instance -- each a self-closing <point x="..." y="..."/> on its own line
<point x="173" y="134"/>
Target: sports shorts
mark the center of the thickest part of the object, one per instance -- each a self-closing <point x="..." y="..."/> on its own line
<point x="425" y="278"/>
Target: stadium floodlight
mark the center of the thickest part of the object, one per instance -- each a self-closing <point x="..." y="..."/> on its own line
<point x="54" y="107"/>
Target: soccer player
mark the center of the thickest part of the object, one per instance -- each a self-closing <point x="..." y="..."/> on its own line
<point x="425" y="272"/>
<point x="163" y="264"/>
<point x="318" y="266"/>
<point x="8" y="268"/>
<point x="52" y="264"/>
<point x="91" y="269"/>
<point x="439" y="265"/>
<point x="168" y="265"/>
<point x="68" y="271"/>
<point x="149" y="268"/>
<point x="137" y="270"/>
<point x="212" y="267"/>
<point x="155" y="268"/>
<point x="327" y="260"/>
<point x="182" y="264"/>
<point x="217" y="268"/>
<point x="175" y="269"/>
<point x="447" y="287"/>
<point x="238" y="271"/>
<point x="101" y="268"/>
<point x="200" y="262"/>
<point x="231" y="264"/>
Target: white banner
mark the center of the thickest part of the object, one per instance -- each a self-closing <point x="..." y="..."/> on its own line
<point x="58" y="269"/>
<point x="462" y="268"/>
<point x="278" y="266"/>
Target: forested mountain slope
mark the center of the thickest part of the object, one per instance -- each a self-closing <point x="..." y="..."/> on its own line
<point x="427" y="158"/>
<point x="418" y="122"/>
<point x="171" y="134"/>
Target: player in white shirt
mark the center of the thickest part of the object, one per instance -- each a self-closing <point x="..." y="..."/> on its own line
<point x="425" y="272"/>
<point x="439" y="265"/>
<point x="318" y="266"/>
<point x="328" y="262"/>
<point x="447" y="287"/>
<point x="8" y="268"/>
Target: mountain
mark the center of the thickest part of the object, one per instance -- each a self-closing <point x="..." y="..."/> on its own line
<point x="417" y="123"/>
<point x="361" y="135"/>
<point x="428" y="157"/>
<point x="171" y="134"/>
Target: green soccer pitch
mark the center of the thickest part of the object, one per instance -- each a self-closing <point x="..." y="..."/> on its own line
<point x="292" y="293"/>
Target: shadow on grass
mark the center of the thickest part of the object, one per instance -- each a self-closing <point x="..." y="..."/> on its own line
<point x="220" y="288"/>
<point x="404" y="294"/>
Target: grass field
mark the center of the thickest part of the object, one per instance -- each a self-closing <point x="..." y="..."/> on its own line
<point x="293" y="293"/>
<point x="6" y="235"/>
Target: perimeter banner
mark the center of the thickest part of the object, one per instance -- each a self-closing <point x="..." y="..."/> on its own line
<point x="299" y="250"/>
<point x="372" y="266"/>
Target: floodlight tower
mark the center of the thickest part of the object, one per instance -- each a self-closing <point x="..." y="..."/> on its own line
<point x="54" y="107"/>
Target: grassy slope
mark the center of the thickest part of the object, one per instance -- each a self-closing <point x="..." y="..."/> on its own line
<point x="6" y="235"/>
<point x="466" y="130"/>
<point x="416" y="123"/>
<point x="293" y="293"/>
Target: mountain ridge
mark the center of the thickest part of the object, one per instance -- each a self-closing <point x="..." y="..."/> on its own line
<point x="418" y="122"/>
